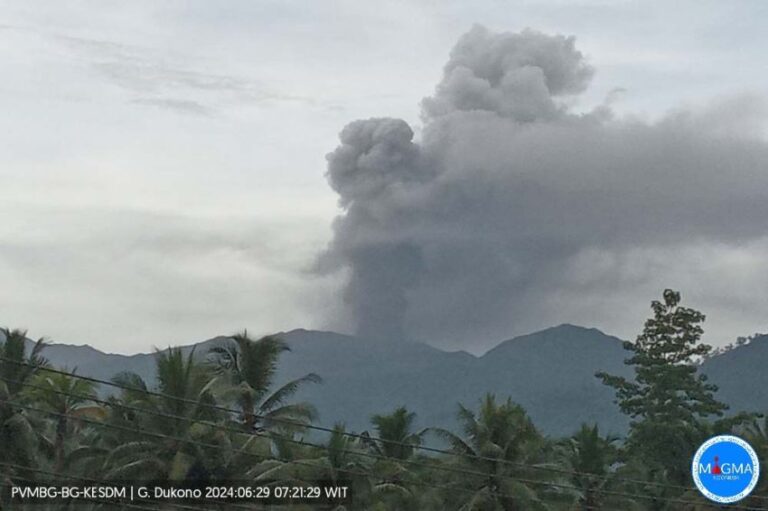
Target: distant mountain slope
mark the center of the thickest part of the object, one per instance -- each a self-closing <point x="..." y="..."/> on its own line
<point x="94" y="363"/>
<point x="742" y="376"/>
<point x="551" y="373"/>
<point x="362" y="377"/>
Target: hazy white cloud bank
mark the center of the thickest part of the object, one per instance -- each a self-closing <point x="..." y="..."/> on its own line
<point x="162" y="167"/>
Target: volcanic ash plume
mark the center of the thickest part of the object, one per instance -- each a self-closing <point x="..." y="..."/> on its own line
<point x="510" y="202"/>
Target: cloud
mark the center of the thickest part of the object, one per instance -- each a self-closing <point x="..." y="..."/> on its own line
<point x="514" y="75"/>
<point x="162" y="80"/>
<point x="147" y="277"/>
<point x="509" y="201"/>
<point x="178" y="105"/>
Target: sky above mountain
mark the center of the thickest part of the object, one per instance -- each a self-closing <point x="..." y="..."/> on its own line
<point x="163" y="167"/>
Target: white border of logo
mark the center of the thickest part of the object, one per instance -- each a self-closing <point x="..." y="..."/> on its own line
<point x="718" y="440"/>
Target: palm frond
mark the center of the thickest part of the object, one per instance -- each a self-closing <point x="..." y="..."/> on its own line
<point x="279" y="396"/>
<point x="458" y="445"/>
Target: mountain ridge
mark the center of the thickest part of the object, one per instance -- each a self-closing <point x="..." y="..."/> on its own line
<point x="549" y="372"/>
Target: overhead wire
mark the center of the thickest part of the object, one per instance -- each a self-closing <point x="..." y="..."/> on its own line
<point x="354" y="435"/>
<point x="369" y="474"/>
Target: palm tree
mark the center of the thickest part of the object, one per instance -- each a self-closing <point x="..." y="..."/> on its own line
<point x="590" y="457"/>
<point x="18" y="365"/>
<point x="66" y="396"/>
<point x="756" y="433"/>
<point x="341" y="456"/>
<point x="341" y="460"/>
<point x="181" y="415"/>
<point x="499" y="442"/>
<point x="185" y="386"/>
<point x="396" y="438"/>
<point x="249" y="368"/>
<point x="395" y="445"/>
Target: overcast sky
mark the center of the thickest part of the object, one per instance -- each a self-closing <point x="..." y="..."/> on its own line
<point x="162" y="164"/>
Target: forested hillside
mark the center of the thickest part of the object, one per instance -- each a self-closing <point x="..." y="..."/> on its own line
<point x="550" y="373"/>
<point x="532" y="424"/>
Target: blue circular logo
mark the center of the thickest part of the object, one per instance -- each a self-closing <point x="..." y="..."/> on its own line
<point x="725" y="469"/>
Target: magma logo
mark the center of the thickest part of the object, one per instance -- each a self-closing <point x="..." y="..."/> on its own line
<point x="725" y="469"/>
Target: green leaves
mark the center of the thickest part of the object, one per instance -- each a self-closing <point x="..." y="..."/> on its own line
<point x="396" y="434"/>
<point x="248" y="367"/>
<point x="16" y="365"/>
<point x="225" y="419"/>
<point x="668" y="401"/>
<point x="499" y="440"/>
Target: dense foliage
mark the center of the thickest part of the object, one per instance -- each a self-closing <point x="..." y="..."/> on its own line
<point x="217" y="416"/>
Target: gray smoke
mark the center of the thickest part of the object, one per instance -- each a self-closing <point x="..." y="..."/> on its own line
<point x="514" y="75"/>
<point x="510" y="201"/>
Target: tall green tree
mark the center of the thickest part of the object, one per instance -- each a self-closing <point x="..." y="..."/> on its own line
<point x="180" y="416"/>
<point x="248" y="369"/>
<point x="668" y="401"/>
<point x="18" y="366"/>
<point x="590" y="457"/>
<point x="756" y="433"/>
<point x="338" y="460"/>
<point x="68" y="398"/>
<point x="499" y="441"/>
<point x="394" y="445"/>
<point x="395" y="435"/>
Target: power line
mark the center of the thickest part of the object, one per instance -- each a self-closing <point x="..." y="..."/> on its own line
<point x="261" y="434"/>
<point x="220" y="504"/>
<point x="286" y="439"/>
<point x="416" y="463"/>
<point x="263" y="458"/>
<point x="369" y="474"/>
<point x="350" y="434"/>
